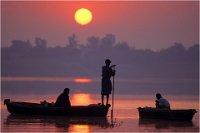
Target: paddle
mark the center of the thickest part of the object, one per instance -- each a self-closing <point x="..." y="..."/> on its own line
<point x="113" y="92"/>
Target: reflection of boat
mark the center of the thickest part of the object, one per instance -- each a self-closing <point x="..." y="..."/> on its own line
<point x="61" y="123"/>
<point x="164" y="124"/>
<point x="180" y="115"/>
<point x="26" y="108"/>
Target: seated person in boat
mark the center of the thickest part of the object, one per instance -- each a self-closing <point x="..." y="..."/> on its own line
<point x="63" y="99"/>
<point x="161" y="103"/>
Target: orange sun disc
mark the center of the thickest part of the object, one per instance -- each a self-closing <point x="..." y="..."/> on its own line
<point x="83" y="16"/>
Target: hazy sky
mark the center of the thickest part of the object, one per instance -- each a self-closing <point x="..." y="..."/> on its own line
<point x="150" y="24"/>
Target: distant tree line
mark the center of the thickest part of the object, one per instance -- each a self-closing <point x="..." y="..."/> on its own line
<point x="25" y="59"/>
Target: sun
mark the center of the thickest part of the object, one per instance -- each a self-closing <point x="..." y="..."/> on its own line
<point x="83" y="16"/>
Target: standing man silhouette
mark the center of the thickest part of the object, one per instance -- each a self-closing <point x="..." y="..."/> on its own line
<point x="106" y="85"/>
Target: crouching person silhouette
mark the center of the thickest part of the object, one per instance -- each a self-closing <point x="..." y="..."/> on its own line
<point x="63" y="99"/>
<point x="161" y="103"/>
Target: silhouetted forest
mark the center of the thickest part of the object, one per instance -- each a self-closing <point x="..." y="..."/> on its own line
<point x="85" y="60"/>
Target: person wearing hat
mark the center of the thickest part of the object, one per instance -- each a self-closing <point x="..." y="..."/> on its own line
<point x="106" y="85"/>
<point x="63" y="99"/>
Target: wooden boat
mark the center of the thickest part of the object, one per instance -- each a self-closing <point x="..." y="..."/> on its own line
<point x="26" y="108"/>
<point x="178" y="115"/>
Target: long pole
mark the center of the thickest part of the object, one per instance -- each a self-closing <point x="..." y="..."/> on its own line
<point x="113" y="97"/>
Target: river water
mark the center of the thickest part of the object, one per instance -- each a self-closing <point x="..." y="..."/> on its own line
<point x="126" y="118"/>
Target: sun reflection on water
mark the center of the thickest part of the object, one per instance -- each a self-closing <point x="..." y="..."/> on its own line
<point x="81" y="99"/>
<point x="47" y="79"/>
<point x="82" y="80"/>
<point x="79" y="128"/>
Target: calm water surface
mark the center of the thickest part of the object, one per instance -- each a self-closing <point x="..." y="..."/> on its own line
<point x="125" y="119"/>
